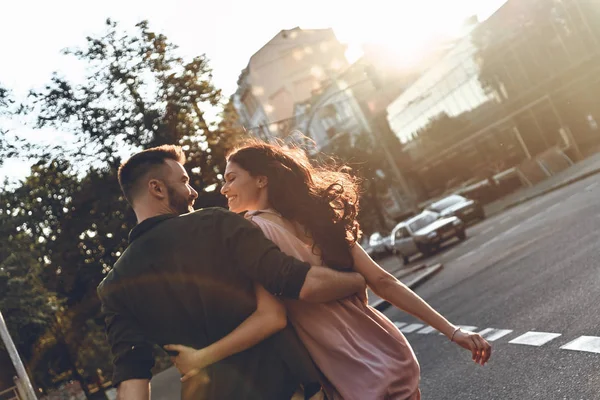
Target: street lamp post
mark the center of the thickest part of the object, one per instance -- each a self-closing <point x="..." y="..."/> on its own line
<point x="16" y="360"/>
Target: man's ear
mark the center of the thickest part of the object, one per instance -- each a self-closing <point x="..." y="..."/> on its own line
<point x="157" y="189"/>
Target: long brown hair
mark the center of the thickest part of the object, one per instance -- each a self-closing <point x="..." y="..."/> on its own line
<point x="324" y="200"/>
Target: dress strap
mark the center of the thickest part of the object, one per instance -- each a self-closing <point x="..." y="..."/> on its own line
<point x="253" y="213"/>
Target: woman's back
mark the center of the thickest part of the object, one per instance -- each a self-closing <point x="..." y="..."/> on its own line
<point x="358" y="349"/>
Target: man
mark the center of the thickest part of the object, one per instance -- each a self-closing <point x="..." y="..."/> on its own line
<point x="189" y="279"/>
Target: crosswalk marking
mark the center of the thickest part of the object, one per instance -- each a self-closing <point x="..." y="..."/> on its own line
<point x="584" y="343"/>
<point x="411" y="328"/>
<point x="493" y="334"/>
<point x="535" y="338"/>
<point x="589" y="344"/>
<point x="427" y="329"/>
<point x="469" y="328"/>
<point x="399" y="324"/>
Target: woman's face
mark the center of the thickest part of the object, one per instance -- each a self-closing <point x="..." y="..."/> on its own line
<point x="243" y="191"/>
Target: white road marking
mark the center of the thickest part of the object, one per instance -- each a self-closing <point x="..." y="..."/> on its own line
<point x="535" y="338"/>
<point x="552" y="207"/>
<point x="511" y="230"/>
<point x="468" y="328"/>
<point x="590" y="187"/>
<point x="466" y="255"/>
<point x="488" y="230"/>
<point x="492" y="334"/>
<point x="526" y="208"/>
<point x="427" y="329"/>
<point x="505" y="219"/>
<point x="590" y="344"/>
<point x="411" y="328"/>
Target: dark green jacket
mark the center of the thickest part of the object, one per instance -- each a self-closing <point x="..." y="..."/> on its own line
<point x="189" y="279"/>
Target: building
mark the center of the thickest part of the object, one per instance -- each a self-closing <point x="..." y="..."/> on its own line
<point x="283" y="73"/>
<point x="521" y="84"/>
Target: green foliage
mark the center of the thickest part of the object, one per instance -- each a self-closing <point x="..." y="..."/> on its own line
<point x="65" y="225"/>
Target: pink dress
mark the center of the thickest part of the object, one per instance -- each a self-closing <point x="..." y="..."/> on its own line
<point x="361" y="352"/>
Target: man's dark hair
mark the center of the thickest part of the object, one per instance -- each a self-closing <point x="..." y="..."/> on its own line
<point x="141" y="164"/>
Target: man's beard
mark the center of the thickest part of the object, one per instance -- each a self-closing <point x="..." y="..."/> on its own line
<point x="179" y="204"/>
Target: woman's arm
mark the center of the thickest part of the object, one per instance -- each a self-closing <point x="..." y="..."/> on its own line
<point x="391" y="289"/>
<point x="270" y="317"/>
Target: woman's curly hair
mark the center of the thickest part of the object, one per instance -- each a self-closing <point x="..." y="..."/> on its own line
<point x="323" y="199"/>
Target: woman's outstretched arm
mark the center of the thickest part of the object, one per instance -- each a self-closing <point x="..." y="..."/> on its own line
<point x="391" y="289"/>
<point x="269" y="318"/>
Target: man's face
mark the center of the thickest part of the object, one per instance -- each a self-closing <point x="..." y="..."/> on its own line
<point x="181" y="195"/>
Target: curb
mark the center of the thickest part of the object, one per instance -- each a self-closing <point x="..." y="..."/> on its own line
<point x="549" y="190"/>
<point x="382" y="305"/>
<point x="409" y="271"/>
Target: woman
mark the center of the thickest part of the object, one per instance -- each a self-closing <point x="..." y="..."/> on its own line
<point x="310" y="213"/>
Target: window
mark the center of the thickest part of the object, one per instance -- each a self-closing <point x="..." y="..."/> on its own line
<point x="250" y="103"/>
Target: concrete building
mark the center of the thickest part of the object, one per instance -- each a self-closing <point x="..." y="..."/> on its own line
<point x="285" y="72"/>
<point x="519" y="87"/>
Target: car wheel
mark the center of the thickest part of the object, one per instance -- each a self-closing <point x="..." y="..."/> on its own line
<point x="405" y="259"/>
<point x="426" y="250"/>
<point x="462" y="235"/>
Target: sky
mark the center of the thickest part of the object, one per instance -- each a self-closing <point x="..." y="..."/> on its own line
<point x="227" y="31"/>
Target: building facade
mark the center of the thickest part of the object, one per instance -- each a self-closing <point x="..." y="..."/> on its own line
<point x="521" y="84"/>
<point x="284" y="72"/>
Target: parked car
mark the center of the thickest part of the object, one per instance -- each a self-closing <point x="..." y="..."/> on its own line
<point x="403" y="242"/>
<point x="458" y="206"/>
<point x="380" y="245"/>
<point x="425" y="233"/>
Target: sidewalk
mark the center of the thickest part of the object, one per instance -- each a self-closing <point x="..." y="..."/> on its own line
<point x="583" y="169"/>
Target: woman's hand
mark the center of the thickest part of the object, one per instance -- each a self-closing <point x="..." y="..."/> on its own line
<point x="189" y="361"/>
<point x="479" y="347"/>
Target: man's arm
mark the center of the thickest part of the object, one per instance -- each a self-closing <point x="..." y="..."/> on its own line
<point x="324" y="284"/>
<point x="133" y="355"/>
<point x="260" y="259"/>
<point x="134" y="389"/>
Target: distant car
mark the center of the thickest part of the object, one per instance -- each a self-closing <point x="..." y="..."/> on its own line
<point x="403" y="242"/>
<point x="425" y="233"/>
<point x="458" y="206"/>
<point x="380" y="245"/>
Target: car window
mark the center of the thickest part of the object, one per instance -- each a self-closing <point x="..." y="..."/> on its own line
<point x="422" y="221"/>
<point x="401" y="233"/>
<point x="404" y="232"/>
<point x="449" y="201"/>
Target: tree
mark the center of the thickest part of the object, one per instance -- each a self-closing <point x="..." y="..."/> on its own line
<point x="8" y="147"/>
<point x="137" y="93"/>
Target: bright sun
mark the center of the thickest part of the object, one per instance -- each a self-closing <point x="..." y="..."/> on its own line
<point x="407" y="31"/>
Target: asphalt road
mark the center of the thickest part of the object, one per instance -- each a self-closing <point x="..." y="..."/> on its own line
<point x="532" y="274"/>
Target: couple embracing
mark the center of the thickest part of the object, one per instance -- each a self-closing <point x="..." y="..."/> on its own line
<point x="265" y="301"/>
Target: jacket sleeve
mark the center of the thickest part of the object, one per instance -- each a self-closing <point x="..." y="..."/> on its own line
<point x="133" y="354"/>
<point x="260" y="259"/>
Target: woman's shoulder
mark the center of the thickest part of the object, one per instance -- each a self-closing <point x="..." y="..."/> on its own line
<point x="268" y="215"/>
